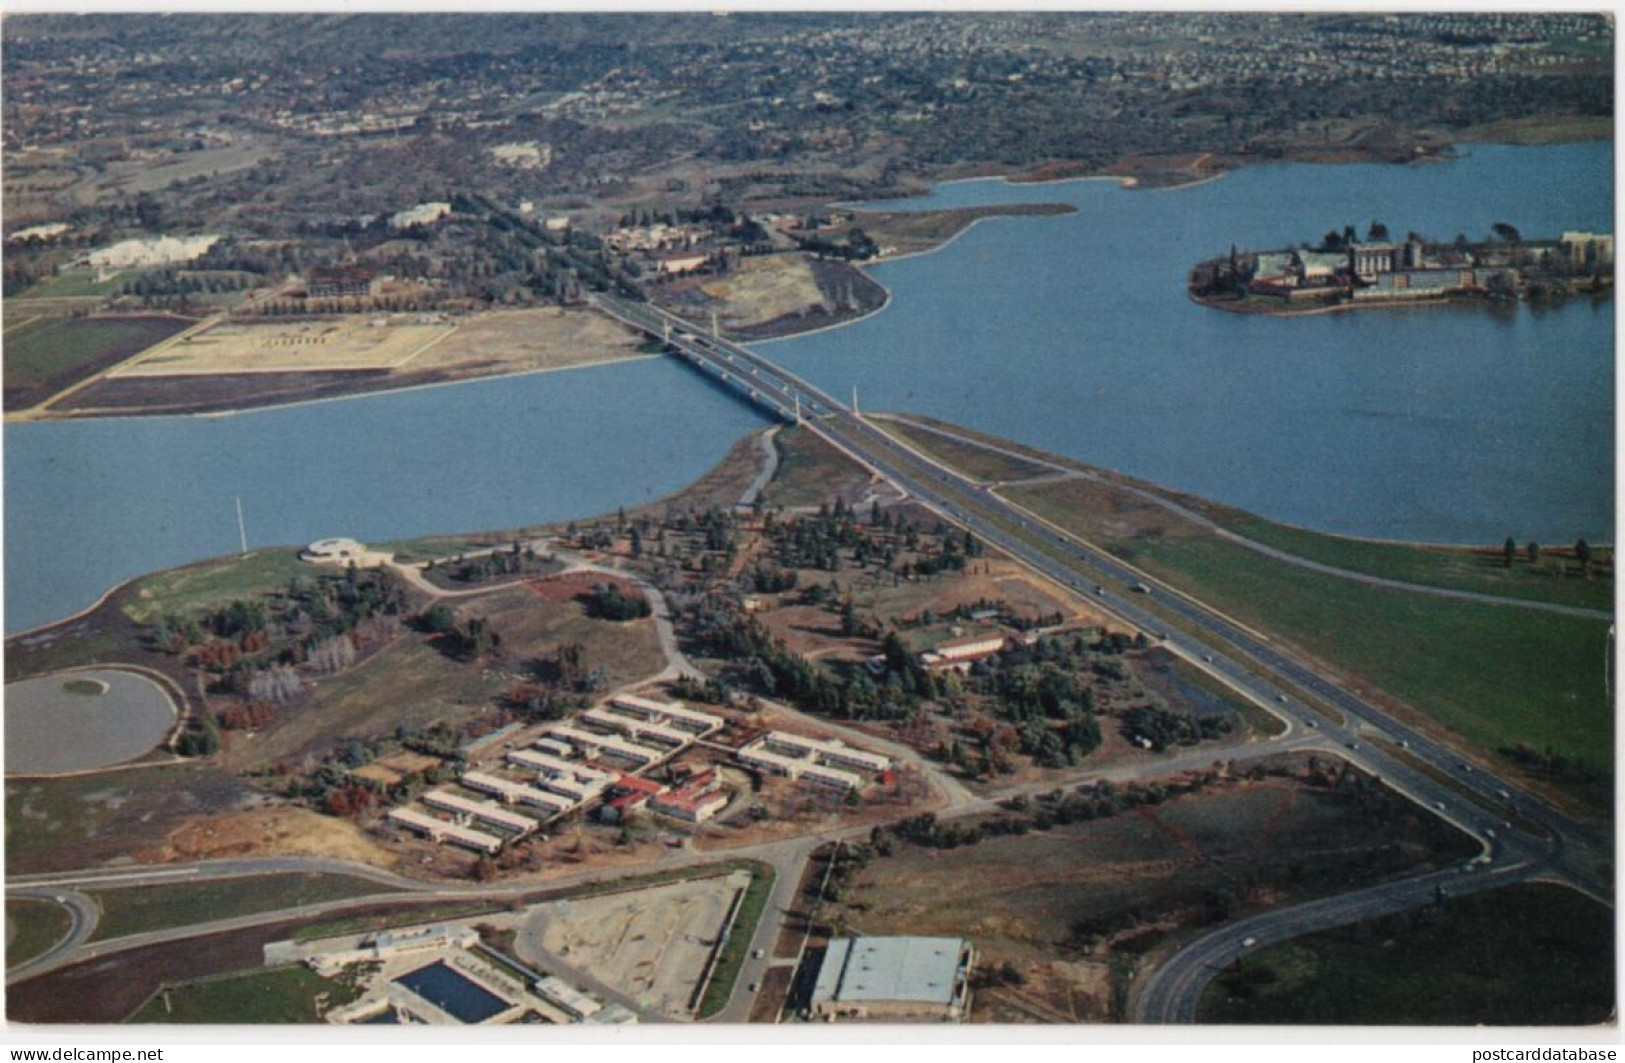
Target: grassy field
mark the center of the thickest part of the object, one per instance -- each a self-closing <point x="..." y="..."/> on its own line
<point x="1495" y="675"/>
<point x="45" y="358"/>
<point x="811" y="472"/>
<point x="32" y="927"/>
<point x="77" y="821"/>
<point x="279" y="995"/>
<point x="138" y="909"/>
<point x="1553" y="579"/>
<point x="79" y="284"/>
<point x="214" y="583"/>
<point x="910" y="232"/>
<point x="1527" y="955"/>
<point x="408" y="683"/>
<point x="425" y="913"/>
<point x="735" y="949"/>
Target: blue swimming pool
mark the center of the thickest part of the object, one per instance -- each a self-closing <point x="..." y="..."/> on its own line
<point x="453" y="993"/>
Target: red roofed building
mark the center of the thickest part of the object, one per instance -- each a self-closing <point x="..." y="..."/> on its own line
<point x="697" y="800"/>
<point x="628" y="794"/>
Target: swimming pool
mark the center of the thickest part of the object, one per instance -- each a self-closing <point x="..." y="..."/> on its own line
<point x="453" y="993"/>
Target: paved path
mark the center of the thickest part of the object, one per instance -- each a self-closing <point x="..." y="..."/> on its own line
<point x="1064" y="472"/>
<point x="770" y="467"/>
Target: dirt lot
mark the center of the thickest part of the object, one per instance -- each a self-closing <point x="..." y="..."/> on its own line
<point x="1073" y="907"/>
<point x="284" y="830"/>
<point x="396" y="767"/>
<point x="652" y="944"/>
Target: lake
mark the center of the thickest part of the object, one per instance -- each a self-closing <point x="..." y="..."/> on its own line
<point x="1444" y="424"/>
<point x="1074" y="334"/>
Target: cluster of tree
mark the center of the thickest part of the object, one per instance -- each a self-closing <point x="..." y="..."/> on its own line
<point x="568" y="670"/>
<point x="276" y="684"/>
<point x="517" y="561"/>
<point x="200" y="740"/>
<point x="773" y="579"/>
<point x="1162" y="729"/>
<point x="607" y="601"/>
<point x="857" y="246"/>
<point x="760" y="661"/>
<point x="252" y="716"/>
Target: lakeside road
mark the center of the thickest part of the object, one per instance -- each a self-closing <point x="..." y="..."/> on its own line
<point x="1208" y="524"/>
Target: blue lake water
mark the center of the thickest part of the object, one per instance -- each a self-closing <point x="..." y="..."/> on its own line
<point x="1073" y="334"/>
<point x="92" y="503"/>
<point x="1445" y="423"/>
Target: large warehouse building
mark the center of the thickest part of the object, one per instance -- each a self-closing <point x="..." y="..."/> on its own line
<point x="893" y="978"/>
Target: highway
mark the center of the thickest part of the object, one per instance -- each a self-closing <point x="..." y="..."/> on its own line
<point x="1489" y="808"/>
<point x="1520" y="838"/>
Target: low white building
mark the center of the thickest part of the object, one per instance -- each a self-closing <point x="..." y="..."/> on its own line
<point x="422" y="214"/>
<point x="163" y="251"/>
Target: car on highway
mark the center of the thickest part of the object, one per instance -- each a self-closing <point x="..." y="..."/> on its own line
<point x="1281" y="698"/>
<point x="1439" y="805"/>
<point x="1140" y="588"/>
<point x="1100" y="590"/>
<point x="1248" y="943"/>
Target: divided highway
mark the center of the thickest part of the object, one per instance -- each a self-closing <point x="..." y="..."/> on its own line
<point x="1496" y="812"/>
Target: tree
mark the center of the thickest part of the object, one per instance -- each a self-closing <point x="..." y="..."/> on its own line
<point x="1582" y="554"/>
<point x="439" y="620"/>
<point x="1510" y="551"/>
<point x="1505" y="232"/>
<point x="1377" y="231"/>
<point x="1534" y="552"/>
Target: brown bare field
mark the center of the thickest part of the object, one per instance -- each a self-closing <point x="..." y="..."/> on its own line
<point x="396" y="767"/>
<point x="764" y="288"/>
<point x="324" y="344"/>
<point x="514" y="341"/>
<point x="1073" y="906"/>
<point x="285" y="830"/>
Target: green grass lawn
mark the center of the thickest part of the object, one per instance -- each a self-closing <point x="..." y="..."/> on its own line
<point x="1497" y="675"/>
<point x="215" y="583"/>
<point x="138" y="909"/>
<point x="737" y="947"/>
<point x="412" y="916"/>
<point x="79" y="284"/>
<point x="38" y="925"/>
<point x="1553" y="579"/>
<point x="42" y="359"/>
<point x="1522" y="955"/>
<point x="279" y="995"/>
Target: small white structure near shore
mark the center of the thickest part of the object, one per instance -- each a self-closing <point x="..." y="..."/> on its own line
<point x="342" y="552"/>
